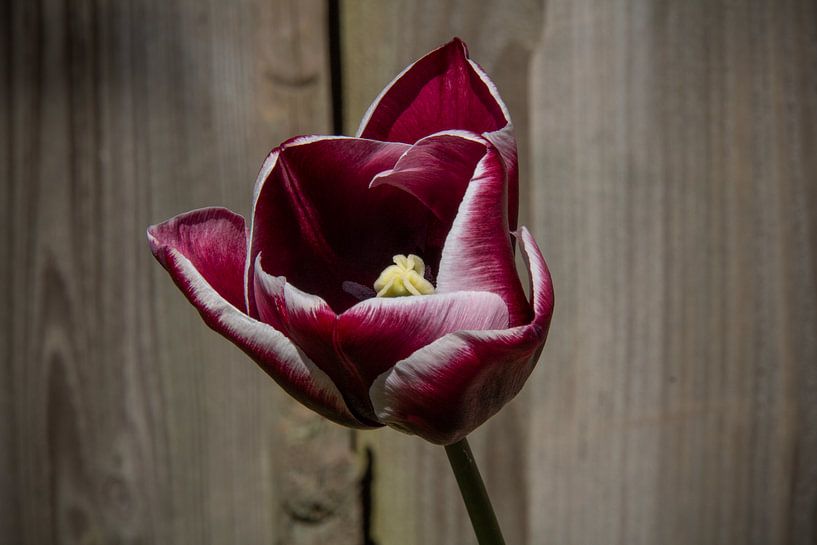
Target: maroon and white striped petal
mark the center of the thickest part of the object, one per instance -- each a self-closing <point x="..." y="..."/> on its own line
<point x="442" y="91"/>
<point x="203" y="251"/>
<point x="310" y="322"/>
<point x="314" y="209"/>
<point x="446" y="389"/>
<point x="376" y="333"/>
<point x="478" y="255"/>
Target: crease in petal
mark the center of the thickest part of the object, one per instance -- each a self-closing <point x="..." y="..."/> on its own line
<point x="267" y="346"/>
<point x="448" y="388"/>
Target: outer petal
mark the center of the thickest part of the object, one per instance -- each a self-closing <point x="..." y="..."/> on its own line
<point x="477" y="254"/>
<point x="444" y="391"/>
<point x="204" y="253"/>
<point x="313" y="208"/>
<point x="376" y="333"/>
<point x="445" y="90"/>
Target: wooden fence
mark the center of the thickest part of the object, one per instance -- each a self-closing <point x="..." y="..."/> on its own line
<point x="669" y="169"/>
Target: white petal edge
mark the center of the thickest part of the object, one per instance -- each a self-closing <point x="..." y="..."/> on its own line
<point x="497" y="311"/>
<point x="491" y="89"/>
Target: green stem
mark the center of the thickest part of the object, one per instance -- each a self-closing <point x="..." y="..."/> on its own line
<point x="473" y="492"/>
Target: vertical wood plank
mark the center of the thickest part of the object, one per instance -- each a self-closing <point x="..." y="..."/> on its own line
<point x="124" y="419"/>
<point x="415" y="495"/>
<point x="676" y="195"/>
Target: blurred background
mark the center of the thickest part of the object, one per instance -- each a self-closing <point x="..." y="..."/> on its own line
<point x="669" y="171"/>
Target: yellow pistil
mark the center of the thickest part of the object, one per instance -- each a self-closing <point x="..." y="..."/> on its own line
<point x="405" y="277"/>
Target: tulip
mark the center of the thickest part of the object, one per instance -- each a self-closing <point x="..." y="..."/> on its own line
<point x="376" y="280"/>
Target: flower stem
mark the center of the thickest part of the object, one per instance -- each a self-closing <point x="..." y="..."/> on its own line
<point x="473" y="492"/>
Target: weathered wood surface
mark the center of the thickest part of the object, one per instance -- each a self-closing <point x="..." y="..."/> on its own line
<point x="123" y="419"/>
<point x="668" y="157"/>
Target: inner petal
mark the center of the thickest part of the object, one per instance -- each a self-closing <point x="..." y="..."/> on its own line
<point x="318" y="223"/>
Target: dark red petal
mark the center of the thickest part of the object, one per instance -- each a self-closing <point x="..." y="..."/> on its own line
<point x="203" y="251"/>
<point x="447" y="389"/>
<point x="443" y="90"/>
<point x="319" y="224"/>
<point x="477" y="255"/>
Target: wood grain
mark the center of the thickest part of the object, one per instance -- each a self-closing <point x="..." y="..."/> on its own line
<point x="124" y="419"/>
<point x="678" y="403"/>
<point x="669" y="168"/>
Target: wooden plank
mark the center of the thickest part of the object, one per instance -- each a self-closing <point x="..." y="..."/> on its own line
<point x="124" y="419"/>
<point x="415" y="495"/>
<point x="670" y="171"/>
<point x="677" y="204"/>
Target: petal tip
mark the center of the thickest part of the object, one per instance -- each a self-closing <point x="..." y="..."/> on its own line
<point x="459" y="42"/>
<point x="156" y="247"/>
<point x="149" y="233"/>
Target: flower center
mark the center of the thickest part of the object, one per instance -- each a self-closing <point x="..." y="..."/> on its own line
<point x="405" y="277"/>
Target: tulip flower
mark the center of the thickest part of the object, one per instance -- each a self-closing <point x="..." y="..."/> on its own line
<point x="375" y="280"/>
<point x="429" y="177"/>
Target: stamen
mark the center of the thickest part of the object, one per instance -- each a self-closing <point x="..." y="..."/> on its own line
<point x="403" y="278"/>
